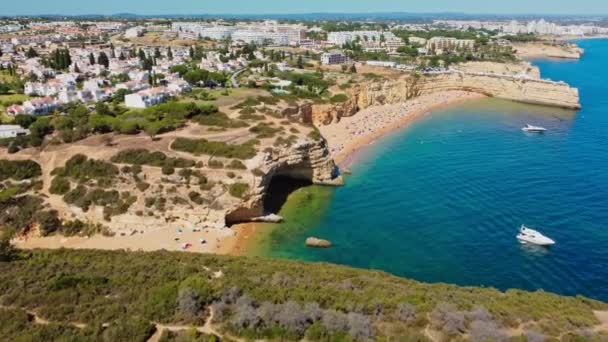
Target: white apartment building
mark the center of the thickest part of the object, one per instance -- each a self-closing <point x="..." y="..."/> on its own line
<point x="384" y="64"/>
<point x="12" y="131"/>
<point x="147" y="98"/>
<point x="439" y="44"/>
<point x="37" y="106"/>
<point x="341" y="38"/>
<point x="135" y="32"/>
<point x="333" y="57"/>
<point x="417" y="40"/>
<point x="261" y="37"/>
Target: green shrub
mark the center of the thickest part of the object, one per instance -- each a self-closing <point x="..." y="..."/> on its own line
<point x="338" y="98"/>
<point x="237" y="165"/>
<point x="264" y="130"/>
<point x="168" y="170"/>
<point x="59" y="186"/>
<point x="238" y="190"/>
<point x="196" y="197"/>
<point x="19" y="169"/>
<point x="216" y="164"/>
<point x="142" y="186"/>
<point x="315" y="134"/>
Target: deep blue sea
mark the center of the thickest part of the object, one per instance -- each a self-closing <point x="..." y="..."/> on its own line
<point x="442" y="200"/>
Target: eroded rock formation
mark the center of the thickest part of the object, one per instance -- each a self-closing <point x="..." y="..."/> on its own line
<point x="307" y="159"/>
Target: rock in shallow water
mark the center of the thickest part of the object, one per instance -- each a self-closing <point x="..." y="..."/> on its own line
<point x="317" y="243"/>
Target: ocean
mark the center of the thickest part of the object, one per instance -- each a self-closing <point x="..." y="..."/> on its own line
<point x="442" y="200"/>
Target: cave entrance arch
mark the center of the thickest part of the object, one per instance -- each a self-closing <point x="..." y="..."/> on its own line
<point x="279" y="189"/>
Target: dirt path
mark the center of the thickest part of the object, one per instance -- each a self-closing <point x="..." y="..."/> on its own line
<point x="602" y="316"/>
<point x="207" y="329"/>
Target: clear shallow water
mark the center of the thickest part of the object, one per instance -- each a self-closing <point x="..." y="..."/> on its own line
<point x="441" y="200"/>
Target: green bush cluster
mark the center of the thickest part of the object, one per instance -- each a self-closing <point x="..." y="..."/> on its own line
<point x="113" y="202"/>
<point x="265" y="130"/>
<point x="59" y="186"/>
<point x="140" y="156"/>
<point x="82" y="169"/>
<point x="215" y="148"/>
<point x="19" y="169"/>
<point x="218" y="119"/>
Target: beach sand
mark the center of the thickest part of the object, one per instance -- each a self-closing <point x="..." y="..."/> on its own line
<point x="218" y="241"/>
<point x="355" y="132"/>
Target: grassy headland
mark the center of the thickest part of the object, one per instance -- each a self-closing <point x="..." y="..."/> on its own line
<point x="119" y="295"/>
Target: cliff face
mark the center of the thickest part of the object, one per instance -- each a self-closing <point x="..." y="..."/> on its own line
<point x="307" y="160"/>
<point x="547" y="49"/>
<point x="525" y="89"/>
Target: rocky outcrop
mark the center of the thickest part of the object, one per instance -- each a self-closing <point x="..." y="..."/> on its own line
<point x="307" y="159"/>
<point x="521" y="88"/>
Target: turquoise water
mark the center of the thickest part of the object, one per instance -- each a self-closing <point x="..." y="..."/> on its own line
<point x="441" y="200"/>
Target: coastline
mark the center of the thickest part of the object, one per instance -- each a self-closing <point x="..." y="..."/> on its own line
<point x="345" y="151"/>
<point x="376" y="122"/>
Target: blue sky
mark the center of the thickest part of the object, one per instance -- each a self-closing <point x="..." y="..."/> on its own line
<point x="11" y="7"/>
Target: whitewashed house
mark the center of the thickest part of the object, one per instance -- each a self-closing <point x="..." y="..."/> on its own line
<point x="147" y="98"/>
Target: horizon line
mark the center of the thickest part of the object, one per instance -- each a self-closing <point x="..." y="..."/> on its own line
<point x="228" y="14"/>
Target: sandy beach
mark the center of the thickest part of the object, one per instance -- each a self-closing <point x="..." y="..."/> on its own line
<point x="216" y="241"/>
<point x="355" y="132"/>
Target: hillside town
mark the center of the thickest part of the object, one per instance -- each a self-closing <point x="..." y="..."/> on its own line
<point x="142" y="63"/>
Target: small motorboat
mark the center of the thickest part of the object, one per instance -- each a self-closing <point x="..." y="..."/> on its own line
<point x="531" y="236"/>
<point x="533" y="129"/>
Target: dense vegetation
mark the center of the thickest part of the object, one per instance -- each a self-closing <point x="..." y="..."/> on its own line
<point x="80" y="122"/>
<point x="118" y="296"/>
<point x="215" y="148"/>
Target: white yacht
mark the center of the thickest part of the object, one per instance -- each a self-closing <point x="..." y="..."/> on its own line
<point x="533" y="129"/>
<point x="531" y="236"/>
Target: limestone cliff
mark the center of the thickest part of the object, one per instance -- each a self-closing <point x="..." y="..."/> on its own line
<point x="548" y="49"/>
<point x="521" y="88"/>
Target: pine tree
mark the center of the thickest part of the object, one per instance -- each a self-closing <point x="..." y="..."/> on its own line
<point x="300" y="63"/>
<point x="191" y="52"/>
<point x="141" y="55"/>
<point x="157" y="54"/>
<point x="92" y="59"/>
<point x="170" y="54"/>
<point x="31" y="53"/>
<point x="103" y="59"/>
<point x="68" y="58"/>
<point x="76" y="68"/>
<point x="112" y="52"/>
<point x="122" y="56"/>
